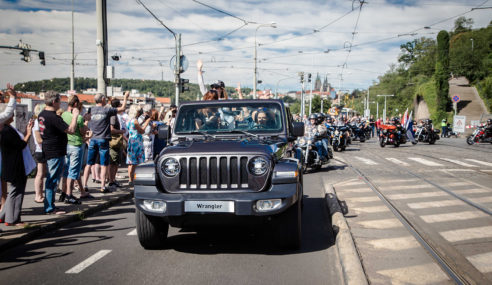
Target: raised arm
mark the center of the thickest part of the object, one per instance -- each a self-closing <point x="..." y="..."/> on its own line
<point x="9" y="111"/>
<point x="125" y="99"/>
<point x="199" y="65"/>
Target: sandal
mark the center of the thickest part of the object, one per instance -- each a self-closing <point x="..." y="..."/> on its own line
<point x="56" y="212"/>
<point x="39" y="201"/>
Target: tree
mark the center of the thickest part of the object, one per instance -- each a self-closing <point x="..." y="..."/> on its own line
<point x="442" y="74"/>
<point x="462" y="24"/>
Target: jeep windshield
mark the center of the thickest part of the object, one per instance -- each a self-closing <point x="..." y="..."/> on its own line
<point x="240" y="117"/>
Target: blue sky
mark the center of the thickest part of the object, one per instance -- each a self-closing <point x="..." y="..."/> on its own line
<point x="311" y="36"/>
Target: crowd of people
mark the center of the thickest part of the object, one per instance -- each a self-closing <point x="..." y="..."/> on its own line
<point x="71" y="146"/>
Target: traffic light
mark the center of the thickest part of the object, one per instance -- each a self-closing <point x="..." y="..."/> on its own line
<point x="309" y="77"/>
<point x="182" y="85"/>
<point x="41" y="58"/>
<point x="26" y="57"/>
<point x="302" y="77"/>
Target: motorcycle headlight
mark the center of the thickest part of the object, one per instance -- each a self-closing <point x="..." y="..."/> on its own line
<point x="258" y="166"/>
<point x="170" y="167"/>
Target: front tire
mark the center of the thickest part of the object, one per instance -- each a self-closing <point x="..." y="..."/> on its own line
<point x="152" y="231"/>
<point x="382" y="143"/>
<point x="469" y="140"/>
<point x="288" y="229"/>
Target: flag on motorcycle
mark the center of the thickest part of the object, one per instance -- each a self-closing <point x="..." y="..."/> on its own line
<point x="409" y="128"/>
<point x="404" y="119"/>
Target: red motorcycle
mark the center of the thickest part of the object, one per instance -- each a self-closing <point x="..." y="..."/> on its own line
<point x="478" y="136"/>
<point x="391" y="135"/>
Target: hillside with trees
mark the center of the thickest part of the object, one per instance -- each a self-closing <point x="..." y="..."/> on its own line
<point x="425" y="64"/>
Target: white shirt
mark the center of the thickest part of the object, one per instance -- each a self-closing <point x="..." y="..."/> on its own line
<point x="34" y="129"/>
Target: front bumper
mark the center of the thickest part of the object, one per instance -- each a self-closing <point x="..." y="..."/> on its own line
<point x="244" y="203"/>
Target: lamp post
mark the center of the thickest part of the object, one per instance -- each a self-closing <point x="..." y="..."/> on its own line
<point x="384" y="111"/>
<point x="273" y="25"/>
<point x="276" y="88"/>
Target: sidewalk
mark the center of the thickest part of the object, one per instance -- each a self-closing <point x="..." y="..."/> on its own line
<point x="37" y="223"/>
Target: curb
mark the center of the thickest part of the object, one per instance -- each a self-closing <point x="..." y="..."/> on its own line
<point x="31" y="234"/>
<point x="353" y="272"/>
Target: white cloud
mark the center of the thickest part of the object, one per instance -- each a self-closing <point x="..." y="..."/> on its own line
<point x="145" y="45"/>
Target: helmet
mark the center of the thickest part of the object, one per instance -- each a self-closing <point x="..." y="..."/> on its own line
<point x="313" y="116"/>
<point x="321" y="118"/>
<point x="395" y="120"/>
<point x="428" y="121"/>
<point x="489" y="121"/>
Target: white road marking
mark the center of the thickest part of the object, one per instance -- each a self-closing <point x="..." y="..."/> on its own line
<point x="88" y="262"/>
<point x="399" y="243"/>
<point x="363" y="199"/>
<point x="396" y="181"/>
<point x="467" y="234"/>
<point x="403" y="187"/>
<point x="397" y="161"/>
<point x="459" y="162"/>
<point x="417" y="195"/>
<point x="372" y="209"/>
<point x="417" y="274"/>
<point x="425" y="161"/>
<point x="132" y="233"/>
<point x="357" y="190"/>
<point x="481" y="200"/>
<point x="381" y="224"/>
<point x="367" y="161"/>
<point x="456" y="216"/>
<point x="471" y="191"/>
<point x="435" y="204"/>
<point x="352" y="183"/>
<point x="458" y="184"/>
<point x="480" y="162"/>
<point x="482" y="261"/>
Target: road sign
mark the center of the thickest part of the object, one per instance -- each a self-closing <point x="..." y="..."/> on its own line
<point x="459" y="124"/>
<point x="456" y="98"/>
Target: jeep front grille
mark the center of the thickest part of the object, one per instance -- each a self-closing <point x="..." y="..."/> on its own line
<point x="214" y="173"/>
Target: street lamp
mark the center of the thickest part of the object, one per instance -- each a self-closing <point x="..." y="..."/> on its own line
<point x="273" y="25"/>
<point x="276" y="88"/>
<point x="384" y="111"/>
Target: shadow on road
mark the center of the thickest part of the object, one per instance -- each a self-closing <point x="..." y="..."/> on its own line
<point x="317" y="235"/>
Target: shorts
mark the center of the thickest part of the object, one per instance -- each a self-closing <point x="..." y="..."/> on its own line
<point x="100" y="146"/>
<point x="39" y="157"/>
<point x="114" y="156"/>
<point x="73" y="162"/>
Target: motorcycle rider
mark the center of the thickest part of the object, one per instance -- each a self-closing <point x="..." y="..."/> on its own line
<point x="325" y="137"/>
<point x="319" y="132"/>
<point x="488" y="129"/>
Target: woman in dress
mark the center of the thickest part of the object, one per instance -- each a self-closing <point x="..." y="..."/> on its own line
<point x="135" y="152"/>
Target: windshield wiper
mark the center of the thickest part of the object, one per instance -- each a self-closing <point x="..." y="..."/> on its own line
<point x="198" y="133"/>
<point x="241" y="132"/>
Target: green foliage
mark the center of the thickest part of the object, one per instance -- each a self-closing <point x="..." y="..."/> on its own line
<point x="462" y="24"/>
<point x="484" y="88"/>
<point x="442" y="74"/>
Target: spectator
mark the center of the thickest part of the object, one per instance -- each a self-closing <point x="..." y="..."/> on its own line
<point x="75" y="153"/>
<point x="15" y="168"/>
<point x="372" y="125"/>
<point x="100" y="126"/>
<point x="38" y="157"/>
<point x="115" y="145"/>
<point x="135" y="152"/>
<point x="219" y="86"/>
<point x="54" y="134"/>
<point x="4" y="116"/>
<point x="150" y="132"/>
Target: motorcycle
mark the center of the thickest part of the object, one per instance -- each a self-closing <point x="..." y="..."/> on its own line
<point x="310" y="152"/>
<point x="338" y="138"/>
<point x="478" y="136"/>
<point x="357" y="132"/>
<point x="391" y="135"/>
<point x="450" y="132"/>
<point x="427" y="133"/>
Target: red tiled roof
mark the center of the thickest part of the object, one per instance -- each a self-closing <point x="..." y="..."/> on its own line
<point x="163" y="100"/>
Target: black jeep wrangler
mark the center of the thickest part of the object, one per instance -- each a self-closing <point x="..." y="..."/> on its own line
<point x="226" y="162"/>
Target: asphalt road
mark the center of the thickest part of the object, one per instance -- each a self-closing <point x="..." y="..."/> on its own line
<point x="105" y="249"/>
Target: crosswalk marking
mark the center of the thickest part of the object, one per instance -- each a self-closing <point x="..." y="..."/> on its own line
<point x="363" y="199"/>
<point x="381" y="224"/>
<point x="417" y="195"/>
<point x="372" y="209"/>
<point x="397" y="161"/>
<point x="456" y="216"/>
<point x="396" y="181"/>
<point x="425" y="161"/>
<point x="416" y="274"/>
<point x="88" y="262"/>
<point x="459" y="162"/>
<point x="467" y="234"/>
<point x="399" y="243"/>
<point x="471" y="191"/>
<point x="435" y="204"/>
<point x="480" y="162"/>
<point x="412" y="187"/>
<point x="357" y="190"/>
<point x="132" y="233"/>
<point x="367" y="161"/>
<point x="482" y="261"/>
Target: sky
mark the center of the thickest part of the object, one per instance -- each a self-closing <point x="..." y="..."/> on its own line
<point x="349" y="42"/>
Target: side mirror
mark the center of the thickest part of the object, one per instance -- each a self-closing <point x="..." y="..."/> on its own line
<point x="163" y="132"/>
<point x="298" y="129"/>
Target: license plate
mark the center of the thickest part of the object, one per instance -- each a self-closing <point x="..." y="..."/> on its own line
<point x="209" y="206"/>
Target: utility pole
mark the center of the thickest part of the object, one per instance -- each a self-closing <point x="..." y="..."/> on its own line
<point x="178" y="67"/>
<point x="303" y="104"/>
<point x="384" y="111"/>
<point x="310" y="93"/>
<point x="102" y="45"/>
<point x="72" y="74"/>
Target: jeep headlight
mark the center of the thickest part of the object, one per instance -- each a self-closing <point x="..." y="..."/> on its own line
<point x="258" y="166"/>
<point x="170" y="167"/>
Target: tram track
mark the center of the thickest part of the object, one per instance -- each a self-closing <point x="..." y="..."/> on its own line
<point x="458" y="268"/>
